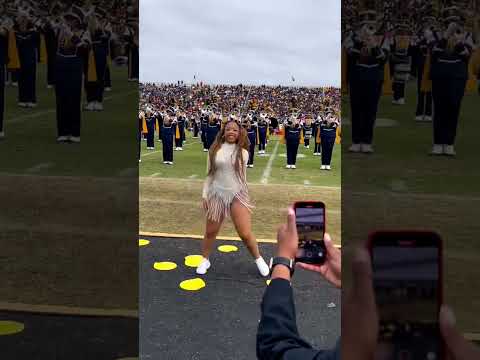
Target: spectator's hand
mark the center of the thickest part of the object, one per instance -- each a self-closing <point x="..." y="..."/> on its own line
<point x="287" y="237"/>
<point x="331" y="270"/>
<point x="359" y="312"/>
<point x="457" y="347"/>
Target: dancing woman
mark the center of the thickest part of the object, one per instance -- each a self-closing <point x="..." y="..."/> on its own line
<point x="225" y="193"/>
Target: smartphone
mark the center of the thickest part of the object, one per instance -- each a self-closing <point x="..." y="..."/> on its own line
<point x="310" y="217"/>
<point x="407" y="280"/>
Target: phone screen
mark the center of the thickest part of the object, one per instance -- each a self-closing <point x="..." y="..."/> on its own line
<point x="310" y="229"/>
<point x="406" y="278"/>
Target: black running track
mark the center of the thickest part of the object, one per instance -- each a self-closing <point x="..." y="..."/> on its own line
<point x="220" y="320"/>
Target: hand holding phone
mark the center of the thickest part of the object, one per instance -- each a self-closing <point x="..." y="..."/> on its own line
<point x="310" y="221"/>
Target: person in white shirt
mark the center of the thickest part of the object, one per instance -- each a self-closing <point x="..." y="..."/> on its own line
<point x="225" y="193"/>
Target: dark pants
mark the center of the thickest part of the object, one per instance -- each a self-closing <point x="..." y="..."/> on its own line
<point x="364" y="97"/>
<point x="139" y="138"/>
<point x="203" y="136"/>
<point x="27" y="79"/>
<point x="447" y="98"/>
<point x="2" y="95"/>
<point x="12" y="75"/>
<point x="179" y="142"/>
<point x="95" y="89"/>
<point x="251" y="152"/>
<point x="318" y="148"/>
<point x="398" y="90"/>
<point x="68" y="91"/>
<point x="151" y="133"/>
<point x="195" y="130"/>
<point x="424" y="99"/>
<point x="51" y="45"/>
<point x="108" y="79"/>
<point x="328" y="141"/>
<point x="306" y="141"/>
<point x="262" y="137"/>
<point x="167" y="149"/>
<point x="292" y="149"/>
<point x="210" y="140"/>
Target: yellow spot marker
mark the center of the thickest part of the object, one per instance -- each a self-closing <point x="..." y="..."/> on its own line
<point x="193" y="260"/>
<point x="192" y="284"/>
<point x="143" y="242"/>
<point x="227" y="248"/>
<point x="10" y="327"/>
<point x="164" y="266"/>
<point x="268" y="281"/>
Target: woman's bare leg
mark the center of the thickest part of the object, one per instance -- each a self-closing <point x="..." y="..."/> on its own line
<point x="211" y="231"/>
<point x="241" y="218"/>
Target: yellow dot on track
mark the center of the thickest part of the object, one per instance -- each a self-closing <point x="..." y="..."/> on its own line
<point x="227" y="248"/>
<point x="164" y="266"/>
<point x="192" y="284"/>
<point x="143" y="242"/>
<point x="193" y="260"/>
<point x="10" y="327"/>
<point x="268" y="281"/>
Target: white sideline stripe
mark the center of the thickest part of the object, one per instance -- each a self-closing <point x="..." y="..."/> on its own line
<point x="306" y="182"/>
<point x="268" y="168"/>
<point x="150" y="153"/>
<point x="39" y="167"/>
<point x="155" y="174"/>
<point x="50" y="111"/>
<point x="193" y="176"/>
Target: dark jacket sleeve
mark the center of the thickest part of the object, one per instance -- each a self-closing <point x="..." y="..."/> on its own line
<point x="277" y="336"/>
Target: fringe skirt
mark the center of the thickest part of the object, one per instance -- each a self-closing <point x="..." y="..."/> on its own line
<point x="220" y="201"/>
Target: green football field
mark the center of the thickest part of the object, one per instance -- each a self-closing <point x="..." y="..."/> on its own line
<point x="270" y="169"/>
<point x="108" y="142"/>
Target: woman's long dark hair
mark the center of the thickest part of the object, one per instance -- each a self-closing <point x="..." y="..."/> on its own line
<point x="242" y="143"/>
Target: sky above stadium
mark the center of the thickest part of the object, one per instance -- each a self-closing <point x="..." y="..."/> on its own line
<point x="241" y="41"/>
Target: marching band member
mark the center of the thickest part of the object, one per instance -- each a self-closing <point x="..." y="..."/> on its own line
<point x="328" y="134"/>
<point x="28" y="42"/>
<point x="449" y="73"/>
<point x="169" y="127"/>
<point x="73" y="44"/>
<point x="366" y="60"/>
<point x="401" y="61"/>
<point x="151" y="122"/>
<point x="293" y="135"/>
<point x="180" y="132"/>
<point x="307" y="132"/>
<point x="251" y="129"/>
<point x="262" y="133"/>
<point x="213" y="127"/>
<point x="316" y="135"/>
<point x="204" y="120"/>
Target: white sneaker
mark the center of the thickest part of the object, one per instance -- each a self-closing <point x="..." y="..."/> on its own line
<point x="328" y="167"/>
<point x="354" y="148"/>
<point x="2" y="134"/>
<point x="75" y="139"/>
<point x="170" y="163"/>
<point x="108" y="88"/>
<point x="181" y="149"/>
<point x="293" y="166"/>
<point x="262" y="266"/>
<point x="437" y="150"/>
<point x="366" y="148"/>
<point x="49" y="86"/>
<point x="175" y="149"/>
<point x="62" y="138"/>
<point x="323" y="167"/>
<point x="288" y="166"/>
<point x="308" y="146"/>
<point x="419" y="118"/>
<point x="251" y="165"/>
<point x="449" y="150"/>
<point x="203" y="267"/>
<point x="22" y="104"/>
<point x="98" y="106"/>
<point x="90" y="106"/>
<point x="165" y="162"/>
<point x="427" y="118"/>
<point x="205" y="150"/>
<point x="31" y="105"/>
<point x="139" y="160"/>
<point x="15" y="84"/>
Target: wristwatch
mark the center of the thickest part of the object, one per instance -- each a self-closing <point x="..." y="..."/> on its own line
<point x="282" y="261"/>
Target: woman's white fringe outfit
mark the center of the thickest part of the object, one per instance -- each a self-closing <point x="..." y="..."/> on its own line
<point x="225" y="186"/>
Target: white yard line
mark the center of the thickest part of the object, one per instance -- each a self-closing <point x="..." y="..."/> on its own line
<point x="39" y="167"/>
<point x="35" y="114"/>
<point x="194" y="176"/>
<point x="268" y="168"/>
<point x="155" y="174"/>
<point x="306" y="182"/>
<point x="151" y="153"/>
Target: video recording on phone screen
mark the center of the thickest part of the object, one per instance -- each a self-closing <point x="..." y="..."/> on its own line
<point x="407" y="293"/>
<point x="310" y="228"/>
